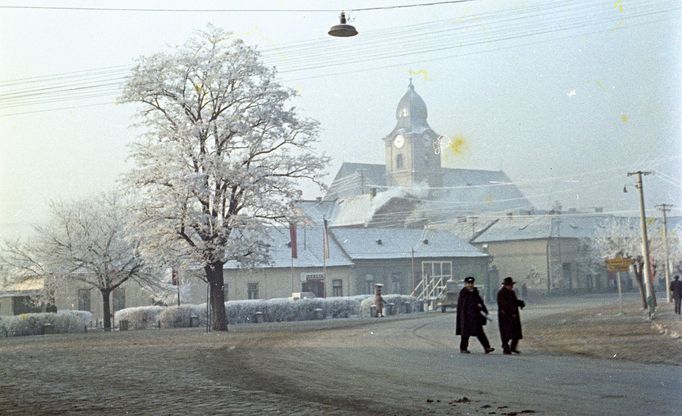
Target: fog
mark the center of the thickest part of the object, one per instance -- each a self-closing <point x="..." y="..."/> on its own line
<point x="564" y="97"/>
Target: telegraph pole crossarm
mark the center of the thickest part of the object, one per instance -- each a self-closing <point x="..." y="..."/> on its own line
<point x="665" y="208"/>
<point x="651" y="301"/>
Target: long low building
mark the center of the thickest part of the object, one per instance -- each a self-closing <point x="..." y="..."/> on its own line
<point x="354" y="260"/>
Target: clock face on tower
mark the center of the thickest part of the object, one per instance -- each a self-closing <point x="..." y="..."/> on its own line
<point x="399" y="141"/>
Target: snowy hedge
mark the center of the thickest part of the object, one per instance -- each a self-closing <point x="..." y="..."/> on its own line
<point x="399" y="304"/>
<point x="262" y="310"/>
<point x="141" y="317"/>
<point x="44" y="323"/>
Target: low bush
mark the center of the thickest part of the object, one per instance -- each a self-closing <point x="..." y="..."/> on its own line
<point x="401" y="304"/>
<point x="141" y="317"/>
<point x="263" y="310"/>
<point x="41" y="323"/>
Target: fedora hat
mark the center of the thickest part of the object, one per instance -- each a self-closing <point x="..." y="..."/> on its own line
<point x="508" y="281"/>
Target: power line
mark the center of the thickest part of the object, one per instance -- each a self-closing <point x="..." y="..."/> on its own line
<point x="302" y="63"/>
<point x="162" y="10"/>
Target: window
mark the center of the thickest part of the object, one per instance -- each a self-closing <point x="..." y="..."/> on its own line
<point x="252" y="291"/>
<point x="396" y="279"/>
<point x="437" y="269"/>
<point x="337" y="287"/>
<point x="399" y="162"/>
<point x="226" y="291"/>
<point x="369" y="284"/>
<point x="84" y="300"/>
<point x="119" y="298"/>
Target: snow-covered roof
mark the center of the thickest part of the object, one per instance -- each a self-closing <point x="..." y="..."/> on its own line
<point x="475" y="190"/>
<point x="355" y="179"/>
<point x="316" y="211"/>
<point x="393" y="243"/>
<point x="533" y="227"/>
<point x="309" y="250"/>
<point x="361" y="210"/>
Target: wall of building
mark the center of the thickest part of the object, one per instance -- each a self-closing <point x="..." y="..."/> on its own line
<point x="397" y="277"/>
<point x="524" y="260"/>
<point x="272" y="282"/>
<point x="6" y="306"/>
<point x="527" y="261"/>
<point x="66" y="297"/>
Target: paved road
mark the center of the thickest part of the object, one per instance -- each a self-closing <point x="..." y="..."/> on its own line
<point x="404" y="366"/>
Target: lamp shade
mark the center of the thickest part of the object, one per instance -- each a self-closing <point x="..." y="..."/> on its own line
<point x="343" y="30"/>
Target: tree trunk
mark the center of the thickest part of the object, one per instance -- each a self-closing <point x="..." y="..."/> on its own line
<point x="106" y="308"/>
<point x="214" y="275"/>
<point x="639" y="271"/>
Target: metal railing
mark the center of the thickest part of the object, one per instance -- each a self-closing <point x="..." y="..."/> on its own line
<point x="428" y="289"/>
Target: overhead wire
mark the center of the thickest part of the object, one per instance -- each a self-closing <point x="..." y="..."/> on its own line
<point x="157" y="10"/>
<point x="5" y="98"/>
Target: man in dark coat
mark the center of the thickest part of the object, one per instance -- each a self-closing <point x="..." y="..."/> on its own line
<point x="471" y="316"/>
<point x="676" y="292"/>
<point x="508" y="316"/>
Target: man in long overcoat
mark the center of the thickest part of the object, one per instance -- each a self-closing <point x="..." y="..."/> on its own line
<point x="508" y="316"/>
<point x="471" y="316"/>
<point x="676" y="291"/>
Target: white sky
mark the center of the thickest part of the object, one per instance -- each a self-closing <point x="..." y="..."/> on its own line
<point x="566" y="112"/>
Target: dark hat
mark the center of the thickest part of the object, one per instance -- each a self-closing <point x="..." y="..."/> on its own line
<point x="469" y="279"/>
<point x="508" y="281"/>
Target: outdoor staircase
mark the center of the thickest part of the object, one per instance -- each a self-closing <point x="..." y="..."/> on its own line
<point x="428" y="290"/>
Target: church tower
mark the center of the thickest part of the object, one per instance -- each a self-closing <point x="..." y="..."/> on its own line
<point x="412" y="156"/>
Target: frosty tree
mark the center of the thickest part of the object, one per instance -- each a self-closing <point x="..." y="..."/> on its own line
<point x="221" y="157"/>
<point x="83" y="242"/>
<point x="617" y="236"/>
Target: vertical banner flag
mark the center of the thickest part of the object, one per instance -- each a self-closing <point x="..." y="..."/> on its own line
<point x="292" y="238"/>
<point x="325" y="240"/>
<point x="174" y="277"/>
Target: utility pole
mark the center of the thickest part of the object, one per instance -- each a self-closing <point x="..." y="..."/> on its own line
<point x="665" y="208"/>
<point x="651" y="302"/>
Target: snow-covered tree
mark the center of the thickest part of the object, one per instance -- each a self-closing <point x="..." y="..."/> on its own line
<point x="221" y="158"/>
<point x="619" y="236"/>
<point x="84" y="241"/>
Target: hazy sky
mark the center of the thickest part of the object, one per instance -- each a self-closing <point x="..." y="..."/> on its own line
<point x="565" y="96"/>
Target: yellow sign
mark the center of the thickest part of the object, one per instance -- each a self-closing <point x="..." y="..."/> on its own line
<point x="618" y="264"/>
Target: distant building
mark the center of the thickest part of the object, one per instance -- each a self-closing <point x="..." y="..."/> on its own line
<point x="412" y="189"/>
<point x="357" y="260"/>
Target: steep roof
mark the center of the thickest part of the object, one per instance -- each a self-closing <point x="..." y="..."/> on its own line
<point x="355" y="179"/>
<point x="394" y="243"/>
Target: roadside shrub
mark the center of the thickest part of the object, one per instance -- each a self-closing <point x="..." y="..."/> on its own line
<point x="181" y="316"/>
<point x="267" y="310"/>
<point x="401" y="304"/>
<point x="141" y="317"/>
<point x="35" y="323"/>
